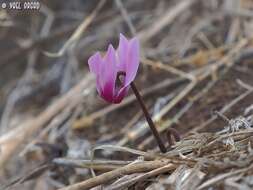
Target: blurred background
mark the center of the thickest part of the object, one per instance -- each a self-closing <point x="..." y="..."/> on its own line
<point x="196" y="58"/>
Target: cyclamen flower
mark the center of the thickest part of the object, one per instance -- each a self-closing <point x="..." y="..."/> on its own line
<point x="116" y="70"/>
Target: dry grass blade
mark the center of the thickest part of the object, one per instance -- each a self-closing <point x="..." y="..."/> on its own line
<point x="92" y="164"/>
<point x="221" y="177"/>
<point x="142" y="177"/>
<point x="165" y="20"/>
<point x="223" y="110"/>
<point x="12" y="140"/>
<point x="30" y="176"/>
<point x="126" y="149"/>
<point x="126" y="16"/>
<point x="72" y="41"/>
<point x="126" y="170"/>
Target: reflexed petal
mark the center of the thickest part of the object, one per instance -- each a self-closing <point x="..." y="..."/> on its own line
<point x="122" y="52"/>
<point x="133" y="60"/>
<point x="108" y="73"/>
<point x="95" y="62"/>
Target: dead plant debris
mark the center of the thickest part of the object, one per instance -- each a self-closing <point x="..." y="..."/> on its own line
<point x="195" y="76"/>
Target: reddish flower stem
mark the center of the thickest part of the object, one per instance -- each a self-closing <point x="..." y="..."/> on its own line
<point x="172" y="132"/>
<point x="148" y="118"/>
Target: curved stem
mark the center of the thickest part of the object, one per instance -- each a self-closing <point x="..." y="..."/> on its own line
<point x="148" y="118"/>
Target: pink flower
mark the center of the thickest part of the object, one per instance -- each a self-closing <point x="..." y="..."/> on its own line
<point x="116" y="70"/>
